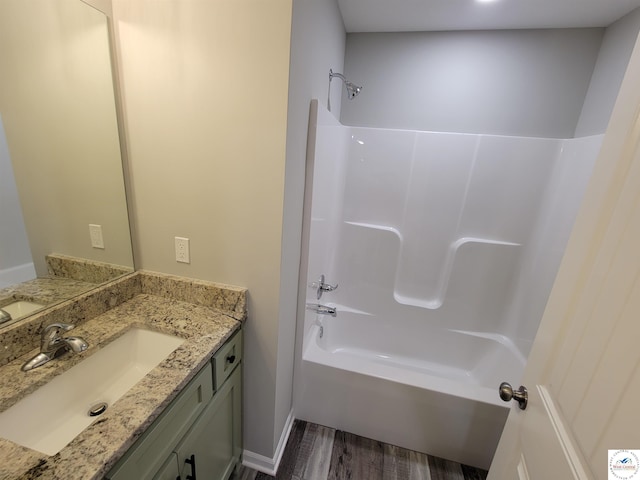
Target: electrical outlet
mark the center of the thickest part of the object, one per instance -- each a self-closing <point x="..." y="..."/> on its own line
<point x="182" y="250"/>
<point x="95" y="232"/>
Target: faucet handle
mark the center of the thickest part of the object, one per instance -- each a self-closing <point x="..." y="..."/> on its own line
<point x="53" y="330"/>
<point x="64" y="327"/>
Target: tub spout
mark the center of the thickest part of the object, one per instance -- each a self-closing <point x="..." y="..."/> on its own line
<point x="322" y="309"/>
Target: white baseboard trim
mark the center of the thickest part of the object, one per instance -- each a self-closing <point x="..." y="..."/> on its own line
<point x="265" y="464"/>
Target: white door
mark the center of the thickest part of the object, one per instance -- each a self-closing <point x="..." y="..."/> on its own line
<point x="583" y="374"/>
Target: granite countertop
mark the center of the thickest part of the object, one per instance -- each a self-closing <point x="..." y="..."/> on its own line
<point x="45" y="290"/>
<point x="68" y="277"/>
<point x="94" y="451"/>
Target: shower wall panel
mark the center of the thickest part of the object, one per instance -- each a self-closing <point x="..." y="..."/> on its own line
<point x="441" y="166"/>
<point x="458" y="231"/>
<point x="328" y="172"/>
<point x="435" y="222"/>
<point x="544" y="251"/>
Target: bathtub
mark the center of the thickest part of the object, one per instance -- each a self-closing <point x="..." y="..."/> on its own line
<point x="416" y="391"/>
<point x="445" y="247"/>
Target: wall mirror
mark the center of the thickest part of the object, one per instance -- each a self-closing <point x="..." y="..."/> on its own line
<point x="64" y="225"/>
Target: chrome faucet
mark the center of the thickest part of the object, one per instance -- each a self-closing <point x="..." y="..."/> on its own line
<point x="322" y="309"/>
<point x="53" y="344"/>
<point x="4" y="316"/>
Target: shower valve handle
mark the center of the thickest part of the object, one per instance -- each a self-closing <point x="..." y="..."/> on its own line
<point x="323" y="287"/>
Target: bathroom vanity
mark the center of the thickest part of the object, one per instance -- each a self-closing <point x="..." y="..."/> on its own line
<point x="187" y="407"/>
<point x="200" y="432"/>
<point x="187" y="403"/>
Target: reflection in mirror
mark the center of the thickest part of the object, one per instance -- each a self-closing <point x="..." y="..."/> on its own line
<point x="60" y="164"/>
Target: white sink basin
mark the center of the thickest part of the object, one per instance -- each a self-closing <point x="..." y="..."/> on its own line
<point x="49" y="418"/>
<point x="21" y="308"/>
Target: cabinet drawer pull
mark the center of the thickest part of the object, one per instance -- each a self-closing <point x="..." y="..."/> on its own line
<point x="191" y="461"/>
<point x="231" y="358"/>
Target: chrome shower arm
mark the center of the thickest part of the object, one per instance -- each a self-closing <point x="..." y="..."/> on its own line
<point x="352" y="89"/>
<point x="339" y="75"/>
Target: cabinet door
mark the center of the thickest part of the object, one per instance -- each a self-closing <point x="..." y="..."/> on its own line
<point x="212" y="447"/>
<point x="144" y="459"/>
<point x="169" y="471"/>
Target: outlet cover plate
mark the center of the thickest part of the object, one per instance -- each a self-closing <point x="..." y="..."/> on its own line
<point x="182" y="250"/>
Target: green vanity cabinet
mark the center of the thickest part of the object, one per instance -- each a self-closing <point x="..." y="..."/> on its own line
<point x="168" y="471"/>
<point x="210" y="442"/>
<point x="199" y="436"/>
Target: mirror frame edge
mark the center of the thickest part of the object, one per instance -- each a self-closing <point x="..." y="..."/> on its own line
<point x="106" y="7"/>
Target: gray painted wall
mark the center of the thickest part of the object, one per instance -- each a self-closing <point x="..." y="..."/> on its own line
<point x="317" y="44"/>
<point x="507" y="82"/>
<point x="226" y="134"/>
<point x="617" y="45"/>
<point x="14" y="244"/>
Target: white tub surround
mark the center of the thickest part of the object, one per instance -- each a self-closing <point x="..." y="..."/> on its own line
<point x="444" y="247"/>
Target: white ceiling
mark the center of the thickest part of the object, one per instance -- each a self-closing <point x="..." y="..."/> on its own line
<point x="426" y="15"/>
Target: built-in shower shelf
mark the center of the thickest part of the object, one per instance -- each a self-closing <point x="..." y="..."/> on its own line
<point x="461" y="263"/>
<point x="455" y="258"/>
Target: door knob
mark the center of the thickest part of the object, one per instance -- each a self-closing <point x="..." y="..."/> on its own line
<point x="507" y="394"/>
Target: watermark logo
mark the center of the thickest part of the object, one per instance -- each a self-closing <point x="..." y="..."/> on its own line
<point x="624" y="464"/>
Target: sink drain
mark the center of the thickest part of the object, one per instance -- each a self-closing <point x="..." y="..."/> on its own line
<point x="98" y="409"/>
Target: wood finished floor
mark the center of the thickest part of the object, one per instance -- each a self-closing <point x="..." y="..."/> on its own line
<point x="314" y="452"/>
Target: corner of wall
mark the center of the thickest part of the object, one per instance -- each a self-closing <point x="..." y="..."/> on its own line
<point x="615" y="51"/>
<point x="268" y="465"/>
<point x="318" y="41"/>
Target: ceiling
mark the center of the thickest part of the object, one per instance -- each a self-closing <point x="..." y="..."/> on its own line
<point x="426" y="15"/>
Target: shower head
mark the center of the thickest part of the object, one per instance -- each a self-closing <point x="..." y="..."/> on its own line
<point x="352" y="89"/>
